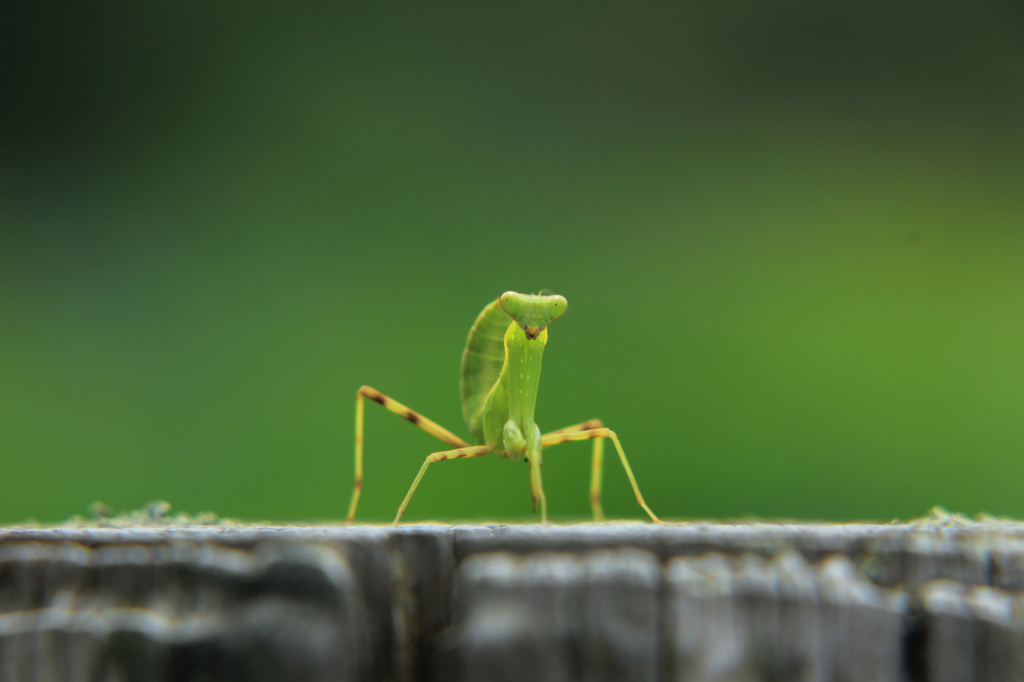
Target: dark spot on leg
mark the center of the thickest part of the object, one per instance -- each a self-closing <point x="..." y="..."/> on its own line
<point x="412" y="416"/>
<point x="359" y="484"/>
<point x="377" y="397"/>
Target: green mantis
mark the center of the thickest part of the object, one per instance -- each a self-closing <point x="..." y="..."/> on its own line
<point x="500" y="378"/>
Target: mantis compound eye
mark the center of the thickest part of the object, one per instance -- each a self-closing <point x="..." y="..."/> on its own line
<point x="511" y="302"/>
<point x="557" y="305"/>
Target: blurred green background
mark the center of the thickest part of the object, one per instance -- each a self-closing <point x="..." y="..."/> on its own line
<point x="791" y="236"/>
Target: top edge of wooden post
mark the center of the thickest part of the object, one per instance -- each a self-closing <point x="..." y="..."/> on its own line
<point x="601" y="532"/>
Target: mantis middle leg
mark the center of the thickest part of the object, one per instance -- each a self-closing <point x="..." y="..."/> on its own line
<point x="599" y="434"/>
<point x="401" y="410"/>
<point x="596" y="460"/>
<point x="471" y="451"/>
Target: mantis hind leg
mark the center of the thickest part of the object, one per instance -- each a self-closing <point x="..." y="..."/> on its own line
<point x="401" y="410"/>
<point x="471" y="451"/>
<point x="598" y="433"/>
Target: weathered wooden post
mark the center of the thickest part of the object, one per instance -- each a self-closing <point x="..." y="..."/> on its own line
<point x="936" y="600"/>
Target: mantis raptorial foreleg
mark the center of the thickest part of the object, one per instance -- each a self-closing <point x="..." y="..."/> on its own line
<point x="471" y="451"/>
<point x="401" y="410"/>
<point x="600" y="433"/>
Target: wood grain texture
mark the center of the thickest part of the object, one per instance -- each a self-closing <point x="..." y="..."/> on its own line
<point x="937" y="600"/>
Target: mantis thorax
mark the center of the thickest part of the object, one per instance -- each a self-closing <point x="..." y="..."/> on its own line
<point x="509" y="410"/>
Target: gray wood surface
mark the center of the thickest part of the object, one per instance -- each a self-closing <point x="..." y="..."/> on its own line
<point x="941" y="599"/>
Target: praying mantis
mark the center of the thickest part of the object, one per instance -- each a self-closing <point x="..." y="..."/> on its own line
<point x="500" y="377"/>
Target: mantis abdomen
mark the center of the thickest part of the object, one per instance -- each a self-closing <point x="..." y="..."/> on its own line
<point x="482" y="362"/>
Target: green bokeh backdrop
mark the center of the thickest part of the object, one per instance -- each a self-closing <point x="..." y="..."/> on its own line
<point x="791" y="236"/>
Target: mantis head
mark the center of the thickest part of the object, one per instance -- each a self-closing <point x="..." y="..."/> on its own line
<point x="533" y="312"/>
